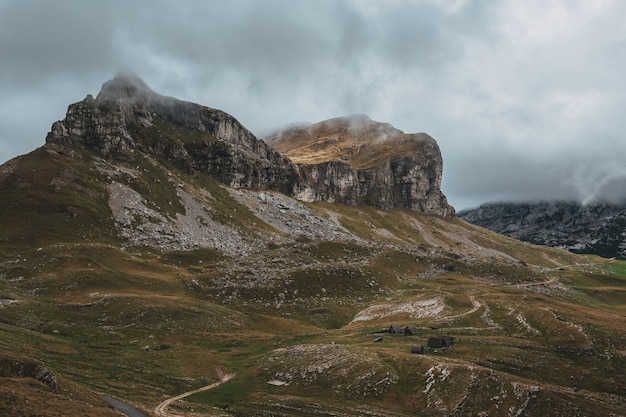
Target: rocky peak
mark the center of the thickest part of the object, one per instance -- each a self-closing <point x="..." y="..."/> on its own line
<point x="352" y="160"/>
<point x="356" y="160"/>
<point x="128" y="117"/>
<point x="338" y="139"/>
<point x="126" y="87"/>
<point x="126" y="103"/>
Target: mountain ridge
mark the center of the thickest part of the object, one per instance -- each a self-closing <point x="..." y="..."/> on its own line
<point x="127" y="115"/>
<point x="594" y="228"/>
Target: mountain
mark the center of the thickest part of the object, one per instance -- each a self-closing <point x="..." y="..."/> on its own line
<point x="597" y="228"/>
<point x="153" y="248"/>
<point x="355" y="160"/>
<point x="128" y="116"/>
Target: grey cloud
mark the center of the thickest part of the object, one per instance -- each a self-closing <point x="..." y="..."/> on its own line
<point x="515" y="117"/>
<point x="42" y="39"/>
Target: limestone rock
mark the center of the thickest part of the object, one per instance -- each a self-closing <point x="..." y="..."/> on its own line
<point x="127" y="116"/>
<point x="28" y="368"/>
<point x="356" y="160"/>
<point x="386" y="168"/>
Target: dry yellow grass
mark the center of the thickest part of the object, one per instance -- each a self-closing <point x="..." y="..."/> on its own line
<point x="358" y="141"/>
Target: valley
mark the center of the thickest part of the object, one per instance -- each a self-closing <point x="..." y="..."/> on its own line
<point x="128" y="269"/>
<point x="143" y="326"/>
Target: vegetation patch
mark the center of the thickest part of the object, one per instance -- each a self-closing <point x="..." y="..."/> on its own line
<point x="340" y="370"/>
<point x="300" y="317"/>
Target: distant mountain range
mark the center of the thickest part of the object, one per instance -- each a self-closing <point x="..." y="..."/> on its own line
<point x="597" y="228"/>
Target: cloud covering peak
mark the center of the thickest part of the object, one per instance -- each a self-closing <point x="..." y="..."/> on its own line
<point x="524" y="98"/>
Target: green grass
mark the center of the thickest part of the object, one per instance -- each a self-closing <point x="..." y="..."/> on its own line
<point x="163" y="133"/>
<point x="617" y="268"/>
<point x="227" y="210"/>
<point x="143" y="325"/>
<point x="158" y="189"/>
<point x="91" y="343"/>
<point x="603" y="286"/>
<point x="49" y="198"/>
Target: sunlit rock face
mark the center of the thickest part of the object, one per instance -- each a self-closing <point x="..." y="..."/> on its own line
<point x="372" y="164"/>
<point x="355" y="160"/>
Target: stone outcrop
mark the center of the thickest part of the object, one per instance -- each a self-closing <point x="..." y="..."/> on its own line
<point x="400" y="183"/>
<point x="128" y="117"/>
<point x="28" y="368"/>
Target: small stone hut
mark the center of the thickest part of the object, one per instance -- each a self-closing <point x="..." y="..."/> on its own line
<point x="440" y="342"/>
<point x="417" y="349"/>
<point x="410" y="330"/>
<point x="395" y="329"/>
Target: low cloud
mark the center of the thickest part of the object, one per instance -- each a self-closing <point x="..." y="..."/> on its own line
<point x="524" y="98"/>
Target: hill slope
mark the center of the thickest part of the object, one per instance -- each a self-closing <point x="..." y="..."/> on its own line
<point x="135" y="275"/>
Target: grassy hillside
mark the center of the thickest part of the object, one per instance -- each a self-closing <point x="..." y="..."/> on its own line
<point x="47" y="197"/>
<point x="292" y="304"/>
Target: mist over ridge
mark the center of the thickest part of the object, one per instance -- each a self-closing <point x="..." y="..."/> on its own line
<point x="524" y="100"/>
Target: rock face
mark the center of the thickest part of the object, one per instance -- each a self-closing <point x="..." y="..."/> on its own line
<point x="28" y="368"/>
<point x="356" y="160"/>
<point x="598" y="229"/>
<point x="128" y="117"/>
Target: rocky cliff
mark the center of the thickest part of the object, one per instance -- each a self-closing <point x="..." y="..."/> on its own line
<point x="355" y="160"/>
<point x="595" y="228"/>
<point x="393" y="169"/>
<point x="127" y="116"/>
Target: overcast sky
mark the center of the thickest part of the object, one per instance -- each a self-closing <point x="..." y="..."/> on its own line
<point x="527" y="99"/>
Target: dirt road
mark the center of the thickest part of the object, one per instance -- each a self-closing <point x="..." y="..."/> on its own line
<point x="552" y="280"/>
<point x="161" y="409"/>
<point x="475" y="306"/>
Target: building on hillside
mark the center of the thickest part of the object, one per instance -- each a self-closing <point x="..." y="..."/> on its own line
<point x="395" y="329"/>
<point x="449" y="340"/>
<point x="440" y="342"/>
<point x="410" y="330"/>
<point x="417" y="349"/>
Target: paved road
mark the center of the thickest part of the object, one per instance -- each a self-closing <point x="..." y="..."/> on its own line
<point x="122" y="407"/>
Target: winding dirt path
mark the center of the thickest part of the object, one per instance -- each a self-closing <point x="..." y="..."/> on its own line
<point x="475" y="306"/>
<point x="552" y="280"/>
<point x="161" y="409"/>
